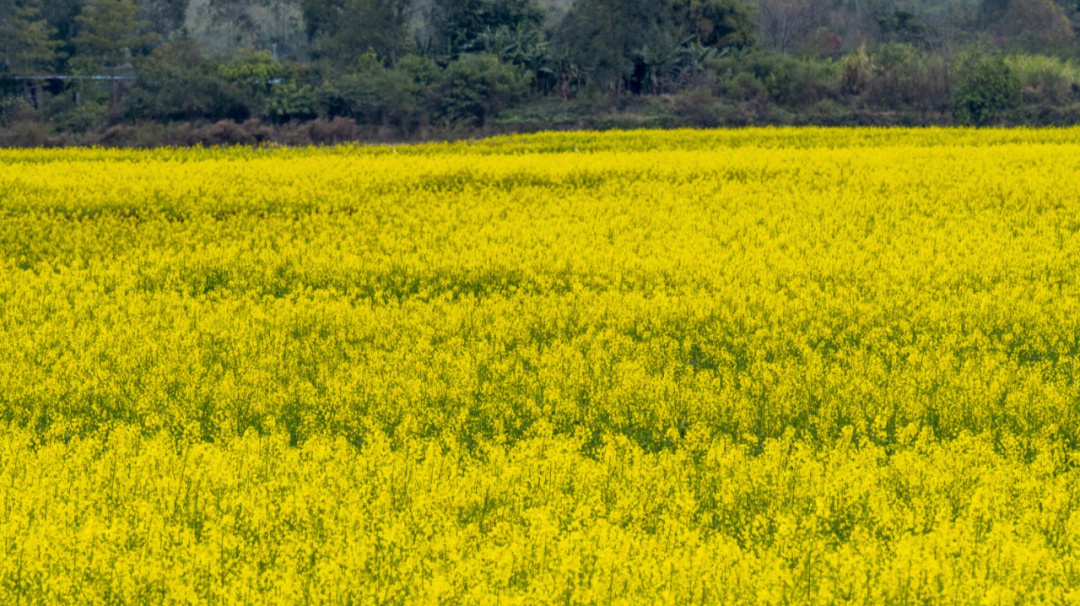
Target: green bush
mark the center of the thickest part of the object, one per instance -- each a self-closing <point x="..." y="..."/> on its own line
<point x="401" y="96"/>
<point x="987" y="87"/>
<point x="25" y="133"/>
<point x="904" y="78"/>
<point x="475" y="87"/>
<point x="786" y="80"/>
<point x="86" y="115"/>
<point x="174" y="84"/>
<point x="1046" y="80"/>
<point x="289" y="101"/>
<point x="746" y="87"/>
<point x="14" y="108"/>
<point x="254" y="76"/>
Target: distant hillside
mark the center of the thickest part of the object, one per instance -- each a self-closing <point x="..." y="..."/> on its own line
<point x="143" y="72"/>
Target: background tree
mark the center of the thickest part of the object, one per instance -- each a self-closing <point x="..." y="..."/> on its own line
<point x="109" y="32"/>
<point x="222" y="28"/>
<point x="603" y="38"/>
<point x="901" y="25"/>
<point x="989" y="86"/>
<point x="27" y="47"/>
<point x="27" y="44"/>
<point x="477" y="86"/>
<point x="786" y="24"/>
<point x="61" y="15"/>
<point x="637" y="45"/>
<point x="992" y="11"/>
<point x="343" y="31"/>
<point x="229" y="25"/>
<point x="283" y="29"/>
<point x="459" y="26"/>
<point x="717" y="23"/>
<point x="164" y="18"/>
<point x="1033" y="22"/>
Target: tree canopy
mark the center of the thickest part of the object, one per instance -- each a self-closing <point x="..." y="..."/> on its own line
<point x="418" y="64"/>
<point x="27" y="41"/>
<point x="108" y="33"/>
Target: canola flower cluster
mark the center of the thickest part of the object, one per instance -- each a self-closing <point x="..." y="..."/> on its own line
<point x="742" y="367"/>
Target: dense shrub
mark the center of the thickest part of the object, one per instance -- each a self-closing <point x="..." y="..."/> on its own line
<point x="783" y="79"/>
<point x="1046" y="81"/>
<point x="904" y="77"/>
<point x="417" y="97"/>
<point x="289" y="101"/>
<point x="987" y="86"/>
<point x="331" y="132"/>
<point x="15" y="107"/>
<point x="24" y="133"/>
<point x="401" y="96"/>
<point x="175" y="84"/>
<point x="255" y="76"/>
<point x="477" y="86"/>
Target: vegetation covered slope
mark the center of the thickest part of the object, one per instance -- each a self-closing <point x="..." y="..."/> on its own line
<point x="161" y="72"/>
<point x="763" y="366"/>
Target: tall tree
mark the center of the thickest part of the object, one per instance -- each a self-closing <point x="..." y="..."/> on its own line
<point x="601" y="38"/>
<point x="61" y="14"/>
<point x="458" y="26"/>
<point x="232" y="20"/>
<point x="637" y="44"/>
<point x="786" y="24"/>
<point x="345" y="30"/>
<point x="282" y="32"/>
<point x="223" y="28"/>
<point x="109" y="31"/>
<point x="164" y="18"/>
<point x="27" y="44"/>
<point x="717" y="23"/>
<point x="1034" y="22"/>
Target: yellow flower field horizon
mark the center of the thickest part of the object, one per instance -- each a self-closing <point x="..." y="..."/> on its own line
<point x="766" y="366"/>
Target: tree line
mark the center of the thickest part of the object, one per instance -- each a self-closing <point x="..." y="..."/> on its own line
<point x="460" y="66"/>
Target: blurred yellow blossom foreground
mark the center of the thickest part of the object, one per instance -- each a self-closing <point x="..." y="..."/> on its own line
<point x="801" y="366"/>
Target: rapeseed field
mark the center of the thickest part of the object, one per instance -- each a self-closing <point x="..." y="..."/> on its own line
<point x="794" y="366"/>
